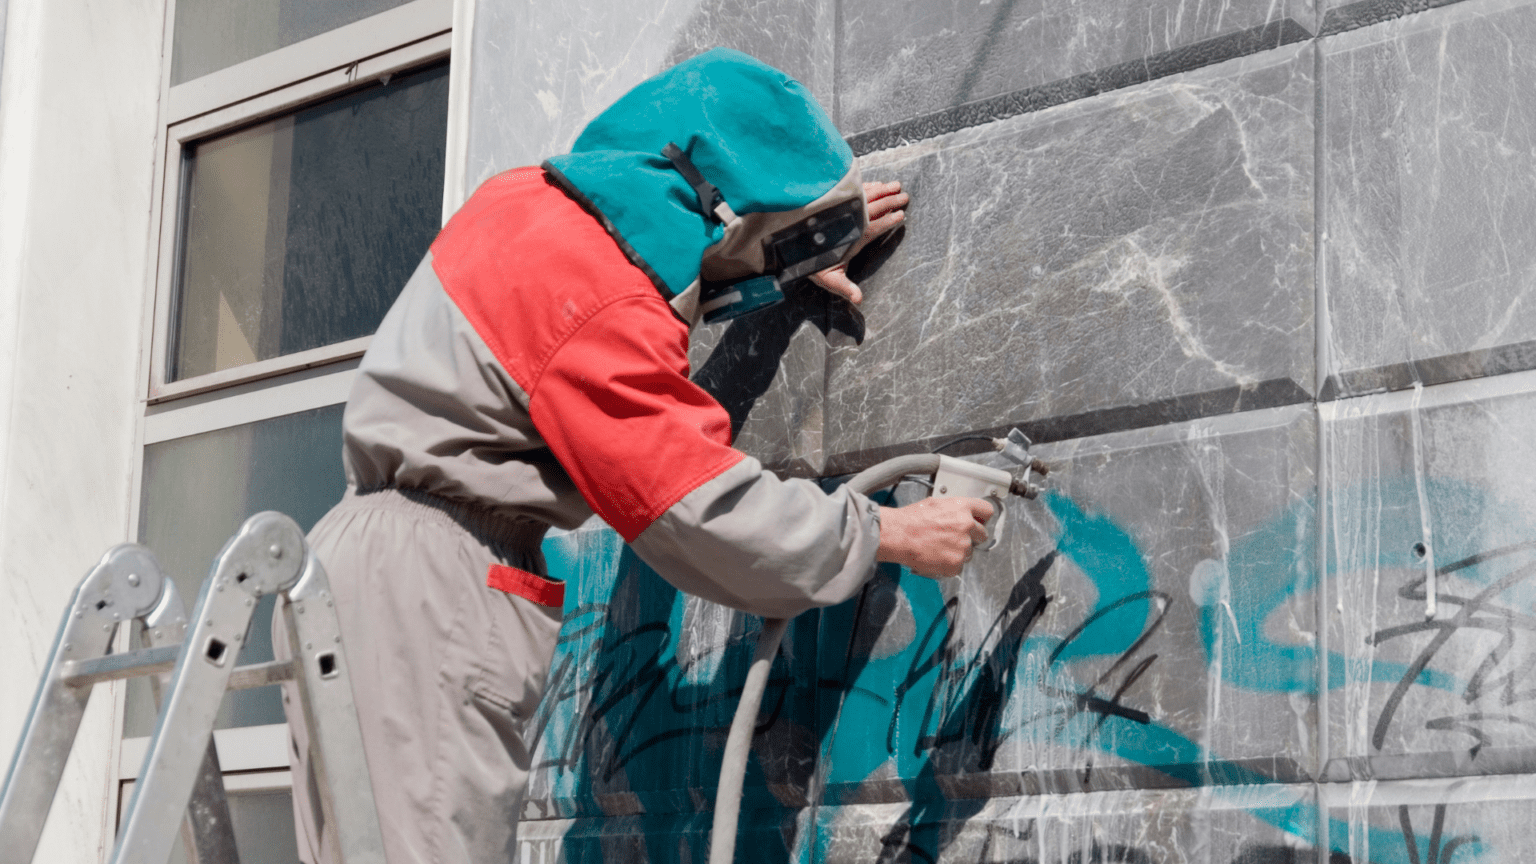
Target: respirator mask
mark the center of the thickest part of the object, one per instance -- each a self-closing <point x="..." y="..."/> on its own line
<point x="762" y="253"/>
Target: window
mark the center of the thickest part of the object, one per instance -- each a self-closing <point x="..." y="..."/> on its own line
<point x="307" y="150"/>
<point x="297" y="232"/>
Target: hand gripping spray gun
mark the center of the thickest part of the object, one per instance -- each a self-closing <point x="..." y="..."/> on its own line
<point x="952" y="478"/>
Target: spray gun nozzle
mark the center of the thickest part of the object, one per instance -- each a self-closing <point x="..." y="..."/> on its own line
<point x="1024" y="489"/>
<point x="1015" y="446"/>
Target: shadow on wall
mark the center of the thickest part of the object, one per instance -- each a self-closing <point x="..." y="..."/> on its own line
<point x="745" y="361"/>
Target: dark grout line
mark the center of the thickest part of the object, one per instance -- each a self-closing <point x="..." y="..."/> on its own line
<point x="1274" y="393"/>
<point x="1130" y="73"/>
<point x="1482" y="363"/>
<point x="1367" y="12"/>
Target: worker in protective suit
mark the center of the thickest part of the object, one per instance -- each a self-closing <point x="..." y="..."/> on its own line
<point x="533" y="372"/>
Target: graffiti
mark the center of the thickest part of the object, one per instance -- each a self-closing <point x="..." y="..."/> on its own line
<point x="965" y="704"/>
<point x="914" y="684"/>
<point x="966" y="700"/>
<point x="1440" y="850"/>
<point x="633" y="670"/>
<point x="1480" y="612"/>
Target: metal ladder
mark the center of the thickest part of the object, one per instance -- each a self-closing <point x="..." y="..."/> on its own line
<point x="180" y="783"/>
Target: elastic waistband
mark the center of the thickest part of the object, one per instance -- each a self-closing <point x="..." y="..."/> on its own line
<point x="494" y="530"/>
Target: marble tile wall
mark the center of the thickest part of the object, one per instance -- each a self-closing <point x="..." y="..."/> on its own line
<point x="1429" y="184"/>
<point x="1116" y="638"/>
<point x="1112" y="262"/>
<point x="1202" y="253"/>
<point x="542" y="70"/>
<point x="1238" y="824"/>
<point x="1428" y="487"/>
<point x="1484" y="819"/>
<point x="1268" y="824"/>
<point x="951" y="59"/>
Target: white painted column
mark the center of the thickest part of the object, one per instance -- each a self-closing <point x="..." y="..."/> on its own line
<point x="78" y="103"/>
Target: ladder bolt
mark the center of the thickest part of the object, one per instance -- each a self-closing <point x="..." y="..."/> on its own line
<point x="276" y="550"/>
<point x="133" y="580"/>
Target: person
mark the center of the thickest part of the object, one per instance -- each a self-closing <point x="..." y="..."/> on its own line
<point x="534" y="371"/>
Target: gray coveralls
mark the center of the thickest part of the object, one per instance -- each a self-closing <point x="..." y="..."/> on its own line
<point x="448" y="475"/>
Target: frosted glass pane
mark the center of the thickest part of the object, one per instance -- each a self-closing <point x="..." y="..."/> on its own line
<point x="300" y="231"/>
<point x="197" y="491"/>
<point x="262" y="822"/>
<point x="214" y="34"/>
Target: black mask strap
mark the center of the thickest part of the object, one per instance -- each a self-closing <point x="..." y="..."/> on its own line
<point x="709" y="197"/>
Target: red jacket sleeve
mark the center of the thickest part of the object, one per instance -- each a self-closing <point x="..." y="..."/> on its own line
<point x="615" y="406"/>
<point x="599" y="354"/>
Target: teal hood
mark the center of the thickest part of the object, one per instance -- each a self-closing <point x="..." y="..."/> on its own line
<point x="750" y="130"/>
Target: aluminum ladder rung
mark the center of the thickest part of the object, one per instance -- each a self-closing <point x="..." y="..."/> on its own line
<point x="268" y="555"/>
<point x="158" y="661"/>
<point x="190" y="669"/>
<point x="126" y="586"/>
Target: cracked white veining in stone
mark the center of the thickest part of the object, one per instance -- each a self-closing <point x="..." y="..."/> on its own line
<point x="906" y="59"/>
<point x="1430" y="195"/>
<point x="1085" y="273"/>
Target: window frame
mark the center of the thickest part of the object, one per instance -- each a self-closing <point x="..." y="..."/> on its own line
<point x="409" y="36"/>
<point x="248" y="108"/>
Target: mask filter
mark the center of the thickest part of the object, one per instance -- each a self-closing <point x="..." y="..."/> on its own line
<point x="823" y="239"/>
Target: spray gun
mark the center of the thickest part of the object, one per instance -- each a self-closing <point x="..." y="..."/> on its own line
<point x="952" y="478"/>
<point x="956" y="478"/>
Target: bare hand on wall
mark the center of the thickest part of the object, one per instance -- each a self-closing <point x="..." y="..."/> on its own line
<point x="886" y="205"/>
<point x="935" y="536"/>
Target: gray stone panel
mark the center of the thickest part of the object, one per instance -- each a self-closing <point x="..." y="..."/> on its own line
<point x="1482" y="819"/>
<point x="1267" y="824"/>
<point x="1131" y="259"/>
<point x="1429" y="184"/>
<point x="1234" y="825"/>
<point x="1145" y="623"/>
<point x="900" y="60"/>
<point x="1438" y="485"/>
<point x="542" y="70"/>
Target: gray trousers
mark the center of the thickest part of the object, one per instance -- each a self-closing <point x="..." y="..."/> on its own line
<point x="445" y="673"/>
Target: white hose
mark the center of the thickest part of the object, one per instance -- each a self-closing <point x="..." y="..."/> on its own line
<point x="738" y="742"/>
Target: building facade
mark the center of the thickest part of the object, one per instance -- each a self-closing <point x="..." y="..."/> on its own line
<point x="1253" y="276"/>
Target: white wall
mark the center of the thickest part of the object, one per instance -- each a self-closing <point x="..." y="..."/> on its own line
<point x="78" y="101"/>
